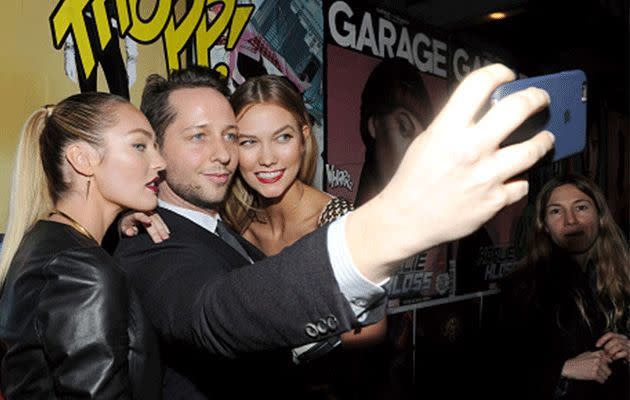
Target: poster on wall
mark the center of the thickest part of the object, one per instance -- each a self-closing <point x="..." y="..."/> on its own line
<point x="385" y="79"/>
<point x="240" y="39"/>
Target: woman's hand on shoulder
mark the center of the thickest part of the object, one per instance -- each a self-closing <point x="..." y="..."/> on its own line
<point x="615" y="345"/>
<point x="588" y="366"/>
<point x="152" y="222"/>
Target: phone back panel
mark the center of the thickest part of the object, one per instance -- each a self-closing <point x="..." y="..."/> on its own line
<point x="565" y="117"/>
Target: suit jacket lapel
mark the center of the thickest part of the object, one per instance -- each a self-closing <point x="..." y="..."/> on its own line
<point x="190" y="231"/>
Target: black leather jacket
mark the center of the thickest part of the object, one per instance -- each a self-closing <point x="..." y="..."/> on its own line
<point x="70" y="325"/>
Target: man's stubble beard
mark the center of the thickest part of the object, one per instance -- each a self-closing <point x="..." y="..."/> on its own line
<point x="192" y="194"/>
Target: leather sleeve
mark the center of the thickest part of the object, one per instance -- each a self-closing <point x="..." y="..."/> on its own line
<point x="82" y="325"/>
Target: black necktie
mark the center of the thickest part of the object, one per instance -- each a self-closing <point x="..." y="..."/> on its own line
<point x="228" y="237"/>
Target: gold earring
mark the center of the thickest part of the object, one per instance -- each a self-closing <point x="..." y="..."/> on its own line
<point x="87" y="191"/>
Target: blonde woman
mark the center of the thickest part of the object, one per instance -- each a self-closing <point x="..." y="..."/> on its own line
<point x="70" y="325"/>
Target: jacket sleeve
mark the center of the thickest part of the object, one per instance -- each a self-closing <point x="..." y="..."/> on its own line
<point x="82" y="324"/>
<point x="283" y="301"/>
<point x="196" y="297"/>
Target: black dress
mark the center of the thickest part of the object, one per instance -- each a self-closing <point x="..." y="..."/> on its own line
<point x="69" y="324"/>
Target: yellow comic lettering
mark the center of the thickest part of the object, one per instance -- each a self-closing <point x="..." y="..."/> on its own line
<point x="206" y="37"/>
<point x="175" y="37"/>
<point x="68" y="17"/>
<point x="222" y="68"/>
<point x="146" y="31"/>
<point x="242" y="15"/>
<point x="122" y="8"/>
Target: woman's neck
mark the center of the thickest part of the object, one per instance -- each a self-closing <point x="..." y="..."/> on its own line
<point x="284" y="210"/>
<point x="582" y="259"/>
<point x="89" y="214"/>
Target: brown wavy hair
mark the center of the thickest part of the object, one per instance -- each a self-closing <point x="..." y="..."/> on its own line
<point x="241" y="204"/>
<point x="609" y="253"/>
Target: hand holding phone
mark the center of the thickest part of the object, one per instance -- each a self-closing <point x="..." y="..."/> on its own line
<point x="565" y="117"/>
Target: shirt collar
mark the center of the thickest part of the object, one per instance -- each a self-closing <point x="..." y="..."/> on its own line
<point x="207" y="222"/>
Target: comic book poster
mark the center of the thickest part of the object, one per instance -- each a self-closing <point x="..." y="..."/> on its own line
<point x="385" y="80"/>
<point x="56" y="48"/>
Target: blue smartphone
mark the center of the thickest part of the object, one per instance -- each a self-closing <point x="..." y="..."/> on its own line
<point x="565" y="117"/>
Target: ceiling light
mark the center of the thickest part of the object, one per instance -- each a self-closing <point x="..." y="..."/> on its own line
<point x="497" y="15"/>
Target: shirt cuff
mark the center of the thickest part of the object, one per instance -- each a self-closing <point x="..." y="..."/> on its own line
<point x="360" y="292"/>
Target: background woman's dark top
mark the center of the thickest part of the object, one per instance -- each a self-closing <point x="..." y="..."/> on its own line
<point x="544" y="328"/>
<point x="70" y="325"/>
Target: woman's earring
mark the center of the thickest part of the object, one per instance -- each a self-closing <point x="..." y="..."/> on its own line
<point x="87" y="191"/>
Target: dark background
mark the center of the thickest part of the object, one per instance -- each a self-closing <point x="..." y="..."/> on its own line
<point x="540" y="36"/>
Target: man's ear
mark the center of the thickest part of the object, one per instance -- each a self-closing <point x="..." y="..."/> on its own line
<point x="371" y="127"/>
<point x="82" y="158"/>
<point x="407" y="127"/>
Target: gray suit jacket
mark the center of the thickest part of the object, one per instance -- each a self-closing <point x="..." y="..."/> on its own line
<point x="209" y="306"/>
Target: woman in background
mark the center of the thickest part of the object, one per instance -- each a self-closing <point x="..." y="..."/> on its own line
<point x="69" y="323"/>
<point x="569" y="305"/>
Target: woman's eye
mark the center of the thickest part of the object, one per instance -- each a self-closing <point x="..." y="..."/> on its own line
<point x="246" y="142"/>
<point x="553" y="211"/>
<point x="140" y="146"/>
<point x="582" y="207"/>
<point x="285" y="137"/>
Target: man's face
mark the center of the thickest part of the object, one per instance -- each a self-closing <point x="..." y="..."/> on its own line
<point x="200" y="148"/>
<point x="392" y="133"/>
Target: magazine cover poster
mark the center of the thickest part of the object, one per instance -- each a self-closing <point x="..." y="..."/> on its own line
<point x="377" y="102"/>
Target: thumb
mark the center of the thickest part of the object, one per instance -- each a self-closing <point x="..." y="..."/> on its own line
<point x="131" y="231"/>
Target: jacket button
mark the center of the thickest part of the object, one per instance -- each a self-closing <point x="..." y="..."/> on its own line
<point x="359" y="302"/>
<point x="322" y="327"/>
<point x="332" y="322"/>
<point x="311" y="330"/>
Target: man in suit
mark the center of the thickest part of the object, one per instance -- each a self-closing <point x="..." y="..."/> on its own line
<point x="208" y="302"/>
<point x="197" y="287"/>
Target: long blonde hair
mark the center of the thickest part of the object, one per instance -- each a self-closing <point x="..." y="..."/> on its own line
<point x="38" y="180"/>
<point x="609" y="254"/>
<point x="241" y="204"/>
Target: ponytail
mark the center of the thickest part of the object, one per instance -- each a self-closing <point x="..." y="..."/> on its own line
<point x="38" y="177"/>
<point x="30" y="198"/>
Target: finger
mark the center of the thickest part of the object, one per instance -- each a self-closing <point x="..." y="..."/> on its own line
<point x="158" y="226"/>
<point x="613" y="346"/>
<point x="473" y="93"/>
<point x="161" y="230"/>
<point x="154" y="234"/>
<point x="142" y="218"/>
<point x="605" y="338"/>
<point x="126" y="222"/>
<point x="159" y="223"/>
<point x="512" y="160"/>
<point x="507" y="115"/>
<point x="131" y="231"/>
<point x="620" y="355"/>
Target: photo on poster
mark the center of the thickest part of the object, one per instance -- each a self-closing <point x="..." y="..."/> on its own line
<point x="376" y="105"/>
